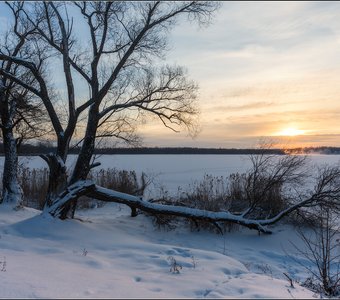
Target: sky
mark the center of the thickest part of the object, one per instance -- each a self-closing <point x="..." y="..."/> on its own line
<point x="266" y="70"/>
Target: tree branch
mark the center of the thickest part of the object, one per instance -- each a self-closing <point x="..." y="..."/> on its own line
<point x="89" y="189"/>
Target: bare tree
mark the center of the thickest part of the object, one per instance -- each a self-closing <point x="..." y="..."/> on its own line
<point x="323" y="252"/>
<point x="118" y="69"/>
<point x="21" y="113"/>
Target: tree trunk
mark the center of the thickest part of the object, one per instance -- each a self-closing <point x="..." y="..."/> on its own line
<point x="57" y="178"/>
<point x="82" y="167"/>
<point x="11" y="190"/>
<point x="57" y="170"/>
<point x="58" y="182"/>
<point x="83" y="164"/>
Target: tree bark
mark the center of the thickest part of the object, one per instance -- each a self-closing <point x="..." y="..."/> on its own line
<point x="83" y="164"/>
<point x="57" y="178"/>
<point x="11" y="190"/>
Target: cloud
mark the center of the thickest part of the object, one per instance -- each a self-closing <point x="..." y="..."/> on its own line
<point x="248" y="38"/>
<point x="263" y="66"/>
<point x="307" y="116"/>
<point x="245" y="130"/>
<point x="308" y="141"/>
<point x="248" y="106"/>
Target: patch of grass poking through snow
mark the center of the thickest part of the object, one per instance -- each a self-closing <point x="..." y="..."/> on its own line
<point x="82" y="252"/>
<point x="3" y="265"/>
<point x="194" y="261"/>
<point x="290" y="280"/>
<point x="265" y="269"/>
<point x="174" y="266"/>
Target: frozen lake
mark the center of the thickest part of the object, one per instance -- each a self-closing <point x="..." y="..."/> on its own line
<point x="171" y="171"/>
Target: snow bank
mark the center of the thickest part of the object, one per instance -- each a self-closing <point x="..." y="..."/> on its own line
<point x="108" y="254"/>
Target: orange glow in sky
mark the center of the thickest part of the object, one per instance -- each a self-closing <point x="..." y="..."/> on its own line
<point x="290" y="131"/>
<point x="265" y="69"/>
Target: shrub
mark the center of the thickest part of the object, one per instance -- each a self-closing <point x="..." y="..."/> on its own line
<point x="119" y="180"/>
<point x="261" y="193"/>
<point x="212" y="193"/>
<point x="209" y="194"/>
<point x="261" y="196"/>
<point x="34" y="183"/>
<point x="174" y="266"/>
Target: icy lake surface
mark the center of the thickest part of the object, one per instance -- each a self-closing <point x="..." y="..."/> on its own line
<point x="171" y="171"/>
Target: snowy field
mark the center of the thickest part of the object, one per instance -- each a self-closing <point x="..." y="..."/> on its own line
<point x="172" y="171"/>
<point x="107" y="254"/>
<point x="111" y="255"/>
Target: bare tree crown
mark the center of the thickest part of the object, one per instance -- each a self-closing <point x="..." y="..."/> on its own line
<point x="113" y="56"/>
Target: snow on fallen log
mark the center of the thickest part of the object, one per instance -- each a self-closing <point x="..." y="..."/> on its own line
<point x="91" y="190"/>
<point x="326" y="192"/>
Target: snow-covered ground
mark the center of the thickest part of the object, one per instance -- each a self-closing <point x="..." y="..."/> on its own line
<point x="108" y="254"/>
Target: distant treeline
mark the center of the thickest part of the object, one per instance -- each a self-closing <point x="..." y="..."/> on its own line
<point x="314" y="150"/>
<point x="42" y="148"/>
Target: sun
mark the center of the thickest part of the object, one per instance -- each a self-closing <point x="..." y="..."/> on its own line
<point x="291" y="131"/>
